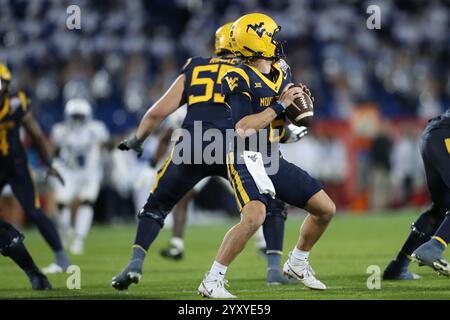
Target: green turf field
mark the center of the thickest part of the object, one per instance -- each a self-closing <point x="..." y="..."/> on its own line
<point x="341" y="258"/>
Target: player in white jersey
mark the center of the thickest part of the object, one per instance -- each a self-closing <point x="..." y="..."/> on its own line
<point x="79" y="140"/>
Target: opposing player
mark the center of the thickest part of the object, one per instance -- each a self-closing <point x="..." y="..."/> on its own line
<point x="78" y="140"/>
<point x="11" y="245"/>
<point x="14" y="168"/>
<point x="430" y="234"/>
<point x="253" y="90"/>
<point x="198" y="85"/>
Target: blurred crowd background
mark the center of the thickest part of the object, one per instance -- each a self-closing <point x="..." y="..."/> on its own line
<point x="374" y="89"/>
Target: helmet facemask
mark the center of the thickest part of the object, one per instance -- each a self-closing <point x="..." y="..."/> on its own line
<point x="279" y="49"/>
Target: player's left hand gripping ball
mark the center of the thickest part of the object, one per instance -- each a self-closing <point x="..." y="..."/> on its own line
<point x="133" y="144"/>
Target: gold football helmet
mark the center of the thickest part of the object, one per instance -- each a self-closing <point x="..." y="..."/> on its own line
<point x="222" y="43"/>
<point x="253" y="35"/>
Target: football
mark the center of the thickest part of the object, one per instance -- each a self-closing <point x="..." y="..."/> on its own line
<point x="301" y="111"/>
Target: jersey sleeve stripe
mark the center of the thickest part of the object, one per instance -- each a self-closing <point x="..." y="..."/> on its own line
<point x="23" y="101"/>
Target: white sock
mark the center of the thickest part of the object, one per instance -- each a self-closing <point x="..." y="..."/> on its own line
<point x="259" y="238"/>
<point x="299" y="255"/>
<point x="218" y="270"/>
<point x="83" y="221"/>
<point x="177" y="243"/>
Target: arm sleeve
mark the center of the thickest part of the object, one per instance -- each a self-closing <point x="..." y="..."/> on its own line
<point x="20" y="105"/>
<point x="237" y="94"/>
<point x="240" y="107"/>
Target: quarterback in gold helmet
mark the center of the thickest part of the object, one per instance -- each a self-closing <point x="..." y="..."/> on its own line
<point x="258" y="91"/>
<point x="199" y="86"/>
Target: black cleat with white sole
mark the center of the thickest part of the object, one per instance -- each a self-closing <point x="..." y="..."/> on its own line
<point x="172" y="253"/>
<point x="124" y="279"/>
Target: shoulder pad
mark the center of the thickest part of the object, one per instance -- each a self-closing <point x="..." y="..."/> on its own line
<point x="194" y="61"/>
<point x="235" y="81"/>
<point x="14" y="103"/>
<point x="19" y="100"/>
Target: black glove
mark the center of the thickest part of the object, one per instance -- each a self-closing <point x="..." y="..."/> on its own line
<point x="133" y="144"/>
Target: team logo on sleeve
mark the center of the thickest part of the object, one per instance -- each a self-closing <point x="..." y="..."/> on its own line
<point x="257" y="28"/>
<point x="232" y="82"/>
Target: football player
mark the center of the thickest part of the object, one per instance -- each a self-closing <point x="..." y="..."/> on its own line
<point x="198" y="85"/>
<point x="430" y="234"/>
<point x="11" y="245"/>
<point x="78" y="140"/>
<point x="14" y="168"/>
<point x="176" y="249"/>
<point x="258" y="91"/>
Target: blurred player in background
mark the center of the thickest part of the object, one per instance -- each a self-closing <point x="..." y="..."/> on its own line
<point x="253" y="90"/>
<point x="78" y="140"/>
<point x="198" y="86"/>
<point x="11" y="245"/>
<point x="430" y="234"/>
<point x="14" y="167"/>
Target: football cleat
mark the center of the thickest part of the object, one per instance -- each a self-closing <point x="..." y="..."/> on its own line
<point x="53" y="268"/>
<point x="77" y="248"/>
<point x="124" y="279"/>
<point x="275" y="278"/>
<point x="172" y="252"/>
<point x="394" y="271"/>
<point x="302" y="271"/>
<point x="214" y="288"/>
<point x="429" y="254"/>
<point x="40" y="282"/>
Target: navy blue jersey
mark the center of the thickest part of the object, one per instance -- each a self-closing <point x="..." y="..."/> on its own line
<point x="435" y="150"/>
<point x="261" y="93"/>
<point x="202" y="92"/>
<point x="12" y="112"/>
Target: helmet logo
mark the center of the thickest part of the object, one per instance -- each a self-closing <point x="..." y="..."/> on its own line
<point x="257" y="28"/>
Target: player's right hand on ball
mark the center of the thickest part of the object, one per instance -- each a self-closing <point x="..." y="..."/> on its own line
<point x="133" y="144"/>
<point x="289" y="94"/>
